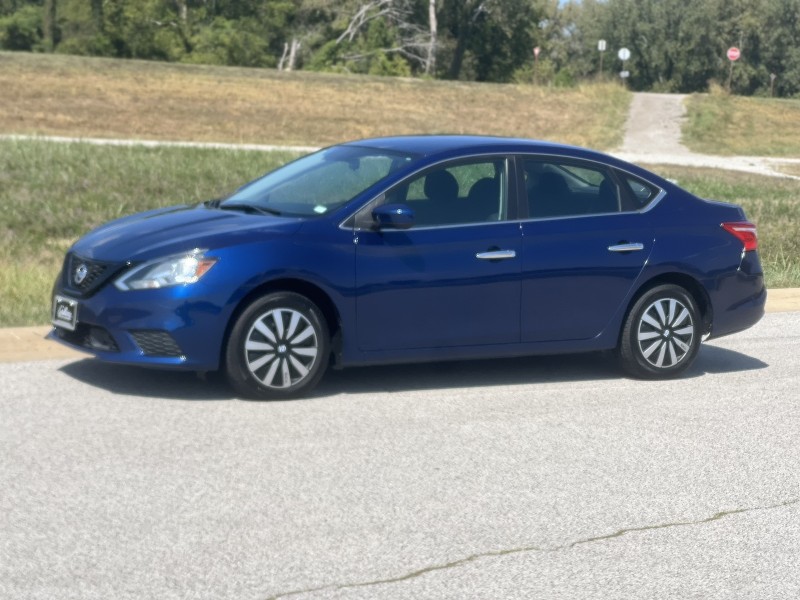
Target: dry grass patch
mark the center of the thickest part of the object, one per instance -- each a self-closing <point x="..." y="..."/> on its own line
<point x="789" y="169"/>
<point x="94" y="97"/>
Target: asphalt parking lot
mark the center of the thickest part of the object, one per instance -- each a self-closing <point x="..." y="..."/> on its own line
<point x="543" y="477"/>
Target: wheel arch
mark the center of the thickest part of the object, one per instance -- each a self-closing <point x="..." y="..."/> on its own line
<point x="687" y="282"/>
<point x="300" y="287"/>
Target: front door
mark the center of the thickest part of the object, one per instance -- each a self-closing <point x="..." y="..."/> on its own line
<point x="453" y="278"/>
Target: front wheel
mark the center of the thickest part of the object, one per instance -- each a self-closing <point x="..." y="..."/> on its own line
<point x="278" y="348"/>
<point x="661" y="335"/>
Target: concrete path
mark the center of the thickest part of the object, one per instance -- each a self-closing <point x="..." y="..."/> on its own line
<point x="156" y="143"/>
<point x="654" y="123"/>
<point x="653" y="136"/>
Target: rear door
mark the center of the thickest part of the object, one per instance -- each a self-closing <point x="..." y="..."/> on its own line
<point x="587" y="239"/>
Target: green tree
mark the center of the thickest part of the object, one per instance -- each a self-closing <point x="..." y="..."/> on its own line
<point x="82" y="28"/>
<point x="22" y="29"/>
<point x="49" y="25"/>
<point x="379" y="37"/>
<point x="227" y="42"/>
<point x="488" y="40"/>
<point x="585" y="24"/>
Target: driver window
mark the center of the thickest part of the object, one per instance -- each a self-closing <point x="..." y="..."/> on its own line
<point x="474" y="192"/>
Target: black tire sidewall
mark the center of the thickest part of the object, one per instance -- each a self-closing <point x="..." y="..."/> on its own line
<point x="630" y="355"/>
<point x="236" y="370"/>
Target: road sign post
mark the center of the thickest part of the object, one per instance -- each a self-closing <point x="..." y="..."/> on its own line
<point x="601" y="47"/>
<point x="733" y="55"/>
<point x="624" y="54"/>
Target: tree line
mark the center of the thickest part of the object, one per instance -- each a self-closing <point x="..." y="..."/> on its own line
<point x="675" y="45"/>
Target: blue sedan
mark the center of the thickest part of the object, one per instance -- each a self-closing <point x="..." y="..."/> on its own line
<point x="419" y="248"/>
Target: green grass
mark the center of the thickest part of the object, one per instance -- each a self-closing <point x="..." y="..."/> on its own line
<point x="737" y="126"/>
<point x="52" y="194"/>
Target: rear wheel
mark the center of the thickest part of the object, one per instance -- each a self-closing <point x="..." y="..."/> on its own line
<point x="278" y="348"/>
<point x="661" y="335"/>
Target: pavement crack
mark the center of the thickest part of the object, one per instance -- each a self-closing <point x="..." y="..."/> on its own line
<point x="407" y="576"/>
<point x="715" y="517"/>
<point x="524" y="549"/>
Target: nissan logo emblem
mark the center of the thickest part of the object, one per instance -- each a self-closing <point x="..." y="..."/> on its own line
<point x="80" y="274"/>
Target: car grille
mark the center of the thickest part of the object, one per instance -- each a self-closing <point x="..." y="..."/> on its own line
<point x="156" y="343"/>
<point x="84" y="276"/>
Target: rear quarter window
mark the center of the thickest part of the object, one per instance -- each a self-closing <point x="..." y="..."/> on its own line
<point x="641" y="193"/>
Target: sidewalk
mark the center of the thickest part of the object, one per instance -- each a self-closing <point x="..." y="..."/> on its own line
<point x="20" y="344"/>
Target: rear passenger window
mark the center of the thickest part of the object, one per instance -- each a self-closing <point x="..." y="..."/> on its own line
<point x="562" y="189"/>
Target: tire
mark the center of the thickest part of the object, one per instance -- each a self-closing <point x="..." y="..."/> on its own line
<point x="278" y="348"/>
<point x="661" y="335"/>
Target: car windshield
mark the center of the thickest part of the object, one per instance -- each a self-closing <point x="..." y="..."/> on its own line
<point x="318" y="183"/>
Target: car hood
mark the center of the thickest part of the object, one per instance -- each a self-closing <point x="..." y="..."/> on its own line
<point x="178" y="229"/>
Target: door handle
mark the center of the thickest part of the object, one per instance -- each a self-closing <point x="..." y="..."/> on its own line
<point x="626" y="247"/>
<point x="496" y="255"/>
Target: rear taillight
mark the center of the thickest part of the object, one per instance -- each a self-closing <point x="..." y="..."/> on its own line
<point x="745" y="232"/>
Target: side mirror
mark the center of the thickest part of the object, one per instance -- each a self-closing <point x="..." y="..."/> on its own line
<point x="393" y="216"/>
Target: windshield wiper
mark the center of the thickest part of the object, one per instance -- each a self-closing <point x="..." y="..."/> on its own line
<point x="251" y="208"/>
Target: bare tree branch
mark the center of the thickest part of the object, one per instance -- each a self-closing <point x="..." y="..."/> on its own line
<point x="416" y="43"/>
<point x="369" y="11"/>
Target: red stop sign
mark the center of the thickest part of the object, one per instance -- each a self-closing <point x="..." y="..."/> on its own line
<point x="733" y="53"/>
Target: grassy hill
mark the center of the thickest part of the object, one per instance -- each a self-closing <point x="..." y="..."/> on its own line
<point x="94" y="97"/>
<point x="737" y="126"/>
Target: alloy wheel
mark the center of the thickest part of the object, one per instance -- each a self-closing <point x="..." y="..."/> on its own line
<point x="665" y="333"/>
<point x="281" y="348"/>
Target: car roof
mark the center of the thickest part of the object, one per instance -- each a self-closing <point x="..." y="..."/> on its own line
<point x="446" y="146"/>
<point x="428" y="145"/>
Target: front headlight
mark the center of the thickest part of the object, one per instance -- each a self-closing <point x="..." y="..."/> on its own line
<point x="181" y="269"/>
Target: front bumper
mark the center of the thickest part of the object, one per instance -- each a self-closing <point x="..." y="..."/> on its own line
<point x="179" y="327"/>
